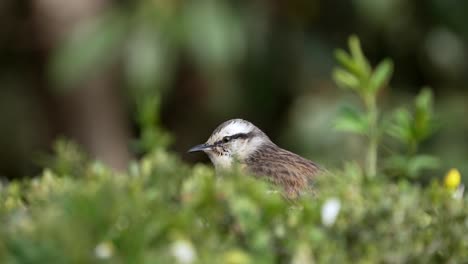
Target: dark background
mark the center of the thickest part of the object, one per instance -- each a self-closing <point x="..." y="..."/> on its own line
<point x="79" y="69"/>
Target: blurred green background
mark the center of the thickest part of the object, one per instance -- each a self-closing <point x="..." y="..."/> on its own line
<point x="95" y="70"/>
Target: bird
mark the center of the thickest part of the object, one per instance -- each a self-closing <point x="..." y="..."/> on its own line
<point x="240" y="141"/>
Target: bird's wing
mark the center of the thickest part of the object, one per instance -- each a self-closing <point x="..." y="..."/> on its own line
<point x="284" y="168"/>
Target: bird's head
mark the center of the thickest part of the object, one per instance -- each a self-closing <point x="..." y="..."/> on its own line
<point x="233" y="140"/>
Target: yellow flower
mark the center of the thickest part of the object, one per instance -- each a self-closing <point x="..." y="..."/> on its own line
<point x="452" y="179"/>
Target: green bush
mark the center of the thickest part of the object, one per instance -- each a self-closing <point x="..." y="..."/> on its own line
<point x="163" y="208"/>
<point x="163" y="211"/>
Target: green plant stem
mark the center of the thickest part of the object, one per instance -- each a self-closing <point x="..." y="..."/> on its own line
<point x="412" y="147"/>
<point x="371" y="159"/>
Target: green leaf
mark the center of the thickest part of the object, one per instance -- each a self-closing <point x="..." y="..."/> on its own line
<point x="424" y="100"/>
<point x="422" y="162"/>
<point x="381" y="76"/>
<point x="396" y="163"/>
<point x="351" y="120"/>
<point x="347" y="62"/>
<point x="411" y="166"/>
<point x="358" y="56"/>
<point x="400" y="127"/>
<point x="345" y="79"/>
<point x="423" y="115"/>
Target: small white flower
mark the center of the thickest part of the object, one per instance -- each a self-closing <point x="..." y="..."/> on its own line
<point x="330" y="210"/>
<point x="104" y="250"/>
<point x="183" y="251"/>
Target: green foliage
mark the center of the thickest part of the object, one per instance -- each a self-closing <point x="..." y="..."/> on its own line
<point x="352" y="120"/>
<point x="72" y="159"/>
<point x="152" y="135"/>
<point x="356" y="74"/>
<point x="162" y="210"/>
<point x="410" y="166"/>
<point x="410" y="129"/>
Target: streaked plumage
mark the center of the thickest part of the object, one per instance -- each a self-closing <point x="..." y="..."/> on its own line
<point x="241" y="141"/>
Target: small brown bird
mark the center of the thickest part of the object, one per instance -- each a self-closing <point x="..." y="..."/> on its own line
<point x="238" y="140"/>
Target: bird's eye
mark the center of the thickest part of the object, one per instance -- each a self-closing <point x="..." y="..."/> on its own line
<point x="226" y="139"/>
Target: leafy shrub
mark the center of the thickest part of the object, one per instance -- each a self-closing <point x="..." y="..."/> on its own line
<point x="162" y="205"/>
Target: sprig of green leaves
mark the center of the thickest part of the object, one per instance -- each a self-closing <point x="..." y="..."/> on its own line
<point x="355" y="73"/>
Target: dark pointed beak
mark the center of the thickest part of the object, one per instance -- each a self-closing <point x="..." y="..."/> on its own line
<point x="200" y="147"/>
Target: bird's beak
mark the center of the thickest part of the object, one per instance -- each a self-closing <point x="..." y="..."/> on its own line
<point x="200" y="147"/>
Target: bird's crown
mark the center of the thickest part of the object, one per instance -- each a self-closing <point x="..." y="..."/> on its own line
<point x="233" y="128"/>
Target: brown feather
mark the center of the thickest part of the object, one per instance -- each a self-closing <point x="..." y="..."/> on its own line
<point x="281" y="167"/>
